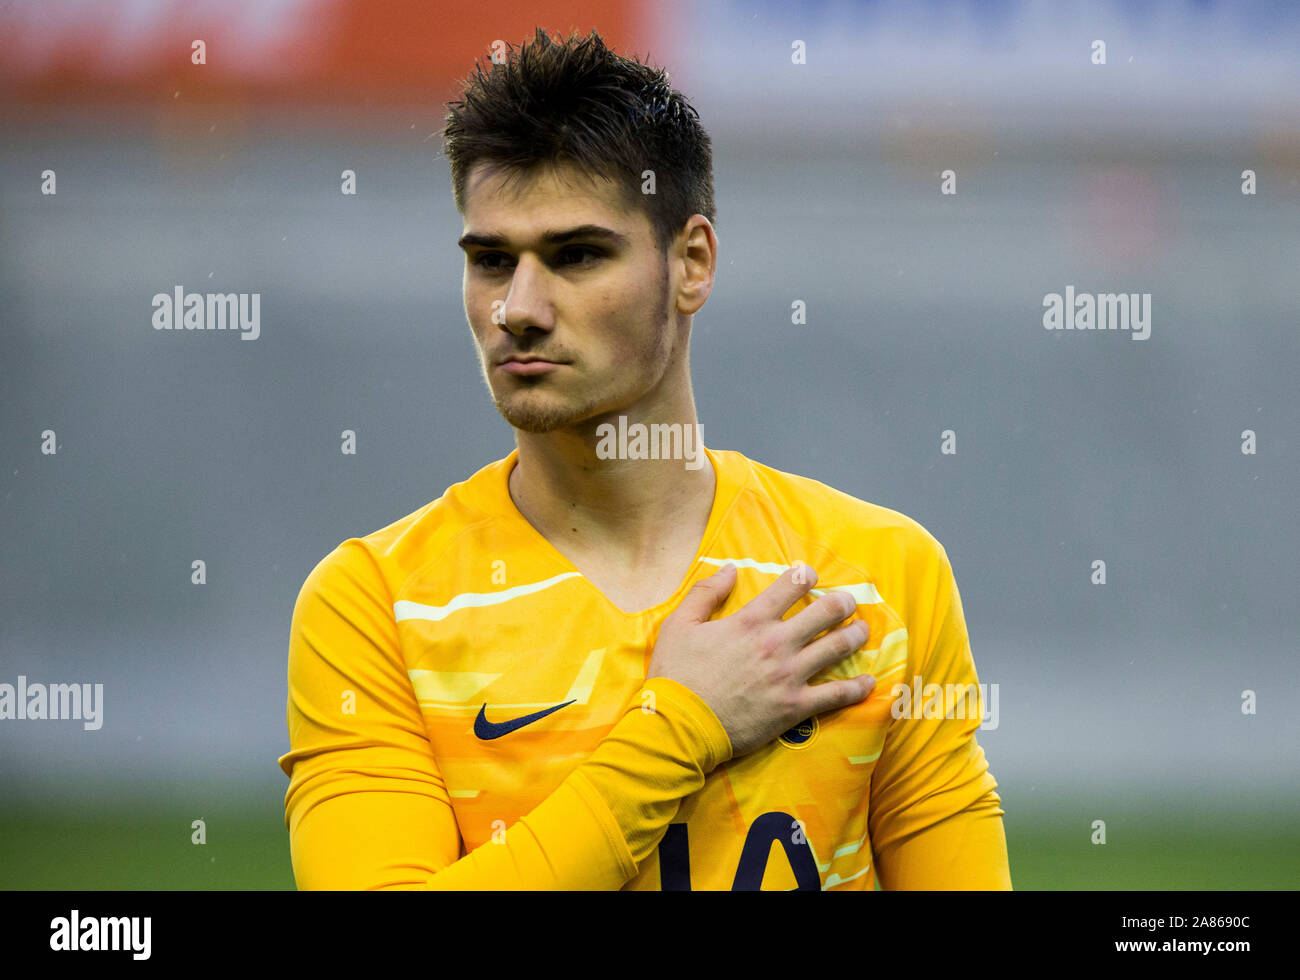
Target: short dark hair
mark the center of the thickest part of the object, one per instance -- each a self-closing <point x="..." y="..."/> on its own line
<point x="577" y="101"/>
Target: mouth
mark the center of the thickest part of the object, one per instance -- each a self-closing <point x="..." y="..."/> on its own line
<point x="528" y="365"/>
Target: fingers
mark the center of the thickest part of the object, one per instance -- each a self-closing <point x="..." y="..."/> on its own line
<point x="819" y="616"/>
<point x="832" y="648"/>
<point x="775" y="601"/>
<point x="708" y="594"/>
<point x="834" y="695"/>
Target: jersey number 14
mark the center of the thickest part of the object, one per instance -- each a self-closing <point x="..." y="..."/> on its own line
<point x="675" y="861"/>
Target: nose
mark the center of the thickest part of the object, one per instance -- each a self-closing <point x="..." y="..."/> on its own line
<point x="528" y="304"/>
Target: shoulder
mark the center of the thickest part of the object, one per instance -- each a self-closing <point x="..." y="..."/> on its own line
<point x="392" y="554"/>
<point x="850" y="526"/>
<point x="850" y="541"/>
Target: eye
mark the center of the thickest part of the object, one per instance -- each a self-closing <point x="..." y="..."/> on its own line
<point x="579" y="255"/>
<point x="580" y="250"/>
<point x="481" y="260"/>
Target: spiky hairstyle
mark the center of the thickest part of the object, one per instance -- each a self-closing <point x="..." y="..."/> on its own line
<point x="576" y="101"/>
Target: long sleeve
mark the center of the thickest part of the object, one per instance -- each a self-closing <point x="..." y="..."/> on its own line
<point x="367" y="808"/>
<point x="936" y="818"/>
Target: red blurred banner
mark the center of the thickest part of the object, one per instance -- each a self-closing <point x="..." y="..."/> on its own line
<point x="276" y="51"/>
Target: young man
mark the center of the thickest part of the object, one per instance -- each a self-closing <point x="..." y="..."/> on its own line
<point x="609" y="662"/>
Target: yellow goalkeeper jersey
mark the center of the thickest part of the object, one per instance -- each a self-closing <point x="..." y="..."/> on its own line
<point x="467" y="711"/>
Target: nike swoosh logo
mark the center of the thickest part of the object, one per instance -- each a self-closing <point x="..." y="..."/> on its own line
<point x="486" y="730"/>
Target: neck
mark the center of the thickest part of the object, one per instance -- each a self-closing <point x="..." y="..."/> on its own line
<point x="630" y="511"/>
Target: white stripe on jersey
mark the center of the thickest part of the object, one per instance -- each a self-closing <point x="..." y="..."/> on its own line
<point x="864" y="593"/>
<point x="405" y="609"/>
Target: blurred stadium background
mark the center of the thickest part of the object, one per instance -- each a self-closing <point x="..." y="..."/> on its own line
<point x="1119" y="703"/>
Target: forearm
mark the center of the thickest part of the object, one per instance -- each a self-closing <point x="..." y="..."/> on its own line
<point x="592" y="832"/>
<point x="611" y="812"/>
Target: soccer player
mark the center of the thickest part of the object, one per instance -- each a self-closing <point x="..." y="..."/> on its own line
<point x="617" y="658"/>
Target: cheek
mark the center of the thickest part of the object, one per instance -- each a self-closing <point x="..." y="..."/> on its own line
<point x="631" y="314"/>
<point x="478" y="314"/>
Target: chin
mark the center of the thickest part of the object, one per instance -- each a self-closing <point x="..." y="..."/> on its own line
<point x="539" y="416"/>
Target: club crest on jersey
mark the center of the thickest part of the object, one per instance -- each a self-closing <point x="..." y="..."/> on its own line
<point x="801" y="734"/>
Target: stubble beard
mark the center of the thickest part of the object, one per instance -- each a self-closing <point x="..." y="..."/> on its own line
<point x="524" y="414"/>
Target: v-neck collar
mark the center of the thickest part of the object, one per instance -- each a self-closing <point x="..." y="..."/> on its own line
<point x="727" y="484"/>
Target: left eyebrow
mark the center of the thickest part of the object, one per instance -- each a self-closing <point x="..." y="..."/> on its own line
<point x="590" y="232"/>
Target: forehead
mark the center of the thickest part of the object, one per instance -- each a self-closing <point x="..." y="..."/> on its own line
<point x="500" y="198"/>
